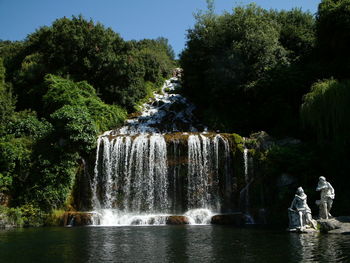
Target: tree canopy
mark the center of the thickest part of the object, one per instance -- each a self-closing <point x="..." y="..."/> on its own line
<point x="235" y="62"/>
<point x="80" y="49"/>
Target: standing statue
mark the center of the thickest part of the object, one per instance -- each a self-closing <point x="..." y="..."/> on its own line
<point x="300" y="213"/>
<point x="327" y="196"/>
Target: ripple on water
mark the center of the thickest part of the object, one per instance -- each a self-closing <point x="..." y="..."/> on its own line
<point x="169" y="244"/>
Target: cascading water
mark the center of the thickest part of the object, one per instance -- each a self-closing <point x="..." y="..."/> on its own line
<point x="245" y="190"/>
<point x="144" y="172"/>
<point x="131" y="173"/>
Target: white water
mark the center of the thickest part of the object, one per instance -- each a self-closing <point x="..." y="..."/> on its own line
<point x="200" y="216"/>
<point x="131" y="183"/>
<point x="131" y="173"/>
<point x="245" y="190"/>
<point x="115" y="217"/>
<point x="166" y="112"/>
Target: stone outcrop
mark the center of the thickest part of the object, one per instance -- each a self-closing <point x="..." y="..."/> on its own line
<point x="177" y="220"/>
<point x="328" y="225"/>
<point x="338" y="225"/>
<point x="235" y="219"/>
<point x="77" y="219"/>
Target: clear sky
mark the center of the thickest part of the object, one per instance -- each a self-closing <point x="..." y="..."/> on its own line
<point x="132" y="19"/>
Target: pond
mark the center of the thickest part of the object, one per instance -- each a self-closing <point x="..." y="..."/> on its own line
<point x="169" y="244"/>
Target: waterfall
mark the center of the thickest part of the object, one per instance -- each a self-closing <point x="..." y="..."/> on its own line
<point x="203" y="171"/>
<point x="131" y="174"/>
<point x="145" y="172"/>
<point x="197" y="192"/>
<point x="227" y="171"/>
<point x="133" y="183"/>
<point x="245" y="190"/>
<point x="246" y="177"/>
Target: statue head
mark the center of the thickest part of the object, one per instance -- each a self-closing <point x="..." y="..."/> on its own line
<point x="322" y="179"/>
<point x="300" y="190"/>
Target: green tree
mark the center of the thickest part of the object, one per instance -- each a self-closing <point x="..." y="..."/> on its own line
<point x="79" y="49"/>
<point x="27" y="124"/>
<point x="6" y="100"/>
<point x="62" y="92"/>
<point x="15" y="162"/>
<point x="74" y="128"/>
<point x="248" y="70"/>
<point x="326" y="111"/>
<point x="333" y="37"/>
<point x="224" y="57"/>
<point x="297" y="32"/>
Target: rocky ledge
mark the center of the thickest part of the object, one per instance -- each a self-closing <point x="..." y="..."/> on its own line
<point x="77" y="218"/>
<point x="235" y="219"/>
<point x="338" y="225"/>
<point x="177" y="220"/>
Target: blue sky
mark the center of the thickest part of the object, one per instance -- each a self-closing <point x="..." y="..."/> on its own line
<point x="132" y="19"/>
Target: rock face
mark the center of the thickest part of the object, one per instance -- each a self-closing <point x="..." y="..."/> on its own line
<point x="328" y="225"/>
<point x="338" y="225"/>
<point x="5" y="223"/>
<point x="4" y="199"/>
<point x="236" y="219"/>
<point x="77" y="219"/>
<point x="177" y="220"/>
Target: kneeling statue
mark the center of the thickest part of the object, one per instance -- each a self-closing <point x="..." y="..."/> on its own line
<point x="300" y="213"/>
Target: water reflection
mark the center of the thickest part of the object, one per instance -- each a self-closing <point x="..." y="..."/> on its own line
<point x="169" y="244"/>
<point x="199" y="243"/>
<point x="320" y="248"/>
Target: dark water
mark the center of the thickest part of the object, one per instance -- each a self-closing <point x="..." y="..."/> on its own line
<point x="169" y="244"/>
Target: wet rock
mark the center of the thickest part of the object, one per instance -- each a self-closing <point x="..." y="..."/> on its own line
<point x="177" y="72"/>
<point x="262" y="140"/>
<point x="4" y="199"/>
<point x="343" y="223"/>
<point x="158" y="103"/>
<point x="343" y="219"/>
<point x="236" y="219"/>
<point x="136" y="222"/>
<point x="151" y="221"/>
<point x="177" y="220"/>
<point x="328" y="225"/>
<point x="175" y="80"/>
<point x="302" y="230"/>
<point x="77" y="219"/>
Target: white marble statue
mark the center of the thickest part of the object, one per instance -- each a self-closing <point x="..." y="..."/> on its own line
<point x="300" y="213"/>
<point x="327" y="196"/>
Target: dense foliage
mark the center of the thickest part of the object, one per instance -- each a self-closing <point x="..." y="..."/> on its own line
<point x="239" y="67"/>
<point x="326" y="110"/>
<point x="333" y="37"/>
<point x="83" y="50"/>
<point x="39" y="158"/>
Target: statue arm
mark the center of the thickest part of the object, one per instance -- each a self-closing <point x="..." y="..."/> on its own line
<point x="292" y="204"/>
<point x="320" y="187"/>
<point x="331" y="190"/>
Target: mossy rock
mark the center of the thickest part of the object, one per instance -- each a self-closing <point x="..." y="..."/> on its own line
<point x="237" y="138"/>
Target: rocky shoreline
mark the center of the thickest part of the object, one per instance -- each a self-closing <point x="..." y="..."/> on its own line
<point x="337" y="225"/>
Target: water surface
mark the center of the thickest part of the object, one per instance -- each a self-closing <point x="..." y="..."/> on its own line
<point x="169" y="244"/>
